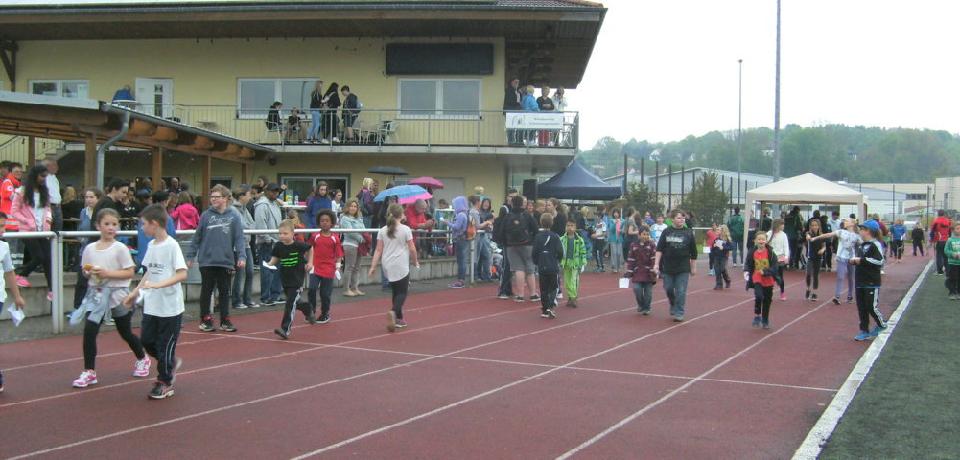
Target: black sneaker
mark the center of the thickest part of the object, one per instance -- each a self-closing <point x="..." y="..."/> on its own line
<point x="518" y="299"/>
<point x="161" y="391"/>
<point x="227" y="326"/>
<point x="813" y="297"/>
<point x="836" y="301"/>
<point x="551" y="314"/>
<point x="534" y="298"/>
<point x="544" y="314"/>
<point x="324" y="318"/>
<point x="207" y="325"/>
<point x="278" y="302"/>
<point x="279" y="332"/>
<point x="849" y="299"/>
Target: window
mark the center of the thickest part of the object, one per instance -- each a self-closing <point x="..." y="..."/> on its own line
<point x="60" y="88"/>
<point x="916" y="196"/>
<point x="444" y="98"/>
<point x="256" y="95"/>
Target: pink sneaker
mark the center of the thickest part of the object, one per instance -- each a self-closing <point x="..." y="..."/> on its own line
<point x="23" y="282"/>
<point x="783" y="296"/>
<point x="142" y="368"/>
<point x="86" y="378"/>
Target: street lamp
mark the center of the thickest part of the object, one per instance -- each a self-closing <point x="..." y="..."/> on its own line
<point x="739" y="123"/>
<point x="776" y="109"/>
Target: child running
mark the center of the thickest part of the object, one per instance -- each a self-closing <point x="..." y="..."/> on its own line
<point x="327" y="254"/>
<point x="760" y="272"/>
<point x="293" y="258"/>
<point x="573" y="263"/>
<point x="869" y="261"/>
<point x="898" y="234"/>
<point x="815" y="251"/>
<point x="162" y="294"/>
<point x="395" y="249"/>
<point x="640" y="260"/>
<point x="547" y="254"/>
<point x="779" y="242"/>
<point x="918" y="238"/>
<point x="108" y="267"/>
<point x="720" y="254"/>
<point x="952" y="251"/>
<point x="9" y="278"/>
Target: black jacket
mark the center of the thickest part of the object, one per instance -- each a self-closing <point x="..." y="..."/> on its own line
<point x="749" y="266"/>
<point x="511" y="99"/>
<point x="547" y="252"/>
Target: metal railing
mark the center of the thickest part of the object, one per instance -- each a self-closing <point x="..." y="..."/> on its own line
<point x="57" y="265"/>
<point x="373" y="127"/>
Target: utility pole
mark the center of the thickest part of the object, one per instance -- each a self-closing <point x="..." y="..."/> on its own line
<point x="776" y="108"/>
<point x="739" y="119"/>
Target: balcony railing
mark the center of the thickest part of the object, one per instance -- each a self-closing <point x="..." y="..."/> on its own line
<point x="378" y="127"/>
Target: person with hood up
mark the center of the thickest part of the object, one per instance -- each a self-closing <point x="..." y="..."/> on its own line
<point x="458" y="228"/>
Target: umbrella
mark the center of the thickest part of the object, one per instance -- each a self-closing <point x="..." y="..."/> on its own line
<point x="427" y="182"/>
<point x="403" y="193"/>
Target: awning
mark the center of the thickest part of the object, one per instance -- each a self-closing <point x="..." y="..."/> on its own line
<point x="575" y="182"/>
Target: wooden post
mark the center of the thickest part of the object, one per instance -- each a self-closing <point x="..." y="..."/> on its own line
<point x="156" y="171"/>
<point x="245" y="172"/>
<point x="31" y="152"/>
<point x="204" y="188"/>
<point x="90" y="161"/>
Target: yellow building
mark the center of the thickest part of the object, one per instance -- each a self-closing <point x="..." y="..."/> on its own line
<point x="430" y="77"/>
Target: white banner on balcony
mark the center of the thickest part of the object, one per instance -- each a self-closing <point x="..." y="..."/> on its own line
<point x="534" y="120"/>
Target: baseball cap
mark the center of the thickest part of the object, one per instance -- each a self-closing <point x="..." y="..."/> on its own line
<point x="273" y="187"/>
<point x="871" y="225"/>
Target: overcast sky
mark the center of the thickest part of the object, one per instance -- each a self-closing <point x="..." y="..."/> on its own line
<point x="662" y="70"/>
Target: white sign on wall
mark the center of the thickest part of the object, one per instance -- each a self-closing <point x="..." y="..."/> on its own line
<point x="534" y="120"/>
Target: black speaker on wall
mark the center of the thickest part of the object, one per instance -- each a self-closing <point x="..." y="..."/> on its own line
<point x="530" y="189"/>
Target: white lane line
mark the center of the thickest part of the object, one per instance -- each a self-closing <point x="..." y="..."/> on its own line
<point x="311" y="387"/>
<point x="105" y="355"/>
<point x="683" y="387"/>
<point x="823" y="429"/>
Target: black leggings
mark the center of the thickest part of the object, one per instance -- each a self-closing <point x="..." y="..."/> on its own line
<point x="325" y="285"/>
<point x="762" y="297"/>
<point x="90" y="331"/>
<point x="39" y="256"/>
<point x="219" y="277"/>
<point x="918" y="245"/>
<point x="399" y="289"/>
<point x="779" y="277"/>
<point x="813" y="274"/>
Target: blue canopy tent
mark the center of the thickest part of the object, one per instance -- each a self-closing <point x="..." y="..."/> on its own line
<point x="576" y="182"/>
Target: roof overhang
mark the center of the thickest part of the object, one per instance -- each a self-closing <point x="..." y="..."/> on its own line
<point x="77" y="120"/>
<point x="547" y="41"/>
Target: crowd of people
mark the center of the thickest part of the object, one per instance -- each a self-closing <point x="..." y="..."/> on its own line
<point x="537" y="248"/>
<point x="325" y="124"/>
<point x="522" y="98"/>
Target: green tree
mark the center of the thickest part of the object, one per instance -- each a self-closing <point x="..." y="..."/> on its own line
<point x="706" y="200"/>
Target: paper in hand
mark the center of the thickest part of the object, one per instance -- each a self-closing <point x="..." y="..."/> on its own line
<point x="16" y="315"/>
<point x="624" y="283"/>
<point x="267" y="265"/>
<point x="337" y="274"/>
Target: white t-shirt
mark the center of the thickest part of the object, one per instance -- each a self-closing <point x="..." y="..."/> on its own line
<point x="37" y="211"/>
<point x="162" y="261"/>
<point x="114" y="257"/>
<point x="6" y="264"/>
<point x="396" y="254"/>
<point x="848" y="243"/>
<point x="656" y="230"/>
<point x="53" y="186"/>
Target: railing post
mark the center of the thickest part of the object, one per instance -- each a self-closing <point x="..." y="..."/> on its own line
<point x="56" y="265"/>
<point x="381" y="131"/>
<point x="479" y="121"/>
<point x="473" y="264"/>
<point x="429" y="131"/>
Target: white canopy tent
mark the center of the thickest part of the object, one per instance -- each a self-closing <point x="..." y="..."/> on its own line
<point x="806" y="188"/>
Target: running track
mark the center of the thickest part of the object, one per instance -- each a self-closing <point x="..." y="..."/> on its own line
<point x="472" y="377"/>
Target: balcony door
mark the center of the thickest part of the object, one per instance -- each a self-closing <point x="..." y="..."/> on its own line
<point x="155" y="96"/>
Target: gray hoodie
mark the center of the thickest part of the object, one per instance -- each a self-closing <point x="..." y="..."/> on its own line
<point x="267" y="216"/>
<point x="218" y="241"/>
<point x="245" y="217"/>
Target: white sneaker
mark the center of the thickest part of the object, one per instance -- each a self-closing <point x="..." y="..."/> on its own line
<point x="109" y="320"/>
<point x="142" y="368"/>
<point x="335" y="139"/>
<point x="324" y="141"/>
<point x="86" y="379"/>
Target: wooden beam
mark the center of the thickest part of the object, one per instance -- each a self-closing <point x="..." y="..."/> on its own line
<point x="90" y="161"/>
<point x="31" y="151"/>
<point x="156" y="170"/>
<point x="53" y="115"/>
<point x="204" y="188"/>
<point x="9" y="61"/>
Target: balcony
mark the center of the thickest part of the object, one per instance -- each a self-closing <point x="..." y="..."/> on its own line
<point x="392" y="130"/>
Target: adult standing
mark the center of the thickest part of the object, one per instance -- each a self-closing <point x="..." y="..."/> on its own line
<point x="615" y="230"/>
<point x="505" y="291"/>
<point x="485" y="258"/>
<point x="242" y="295"/>
<point x="330" y="123"/>
<point x="336" y="202"/>
<point x="517" y="232"/>
<point x="677" y="250"/>
<point x="218" y="245"/>
<point x="735" y="224"/>
<point x="365" y="200"/>
<point x="267" y="216"/>
<point x="318" y="202"/>
<point x="349" y="112"/>
<point x="31" y="210"/>
<point x="511" y="103"/>
<point x="545" y="104"/>
<point x="555" y="209"/>
<point x="351" y="220"/>
<point x="53" y="187"/>
<point x="316" y="103"/>
<point x="793" y="227"/>
<point x="528" y="103"/>
<point x="939" y="234"/>
<point x="11" y="183"/>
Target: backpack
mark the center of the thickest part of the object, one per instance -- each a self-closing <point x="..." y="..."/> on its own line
<point x="547" y="259"/>
<point x="515" y="230"/>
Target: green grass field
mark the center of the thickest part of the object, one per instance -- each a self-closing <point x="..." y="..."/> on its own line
<point x="909" y="405"/>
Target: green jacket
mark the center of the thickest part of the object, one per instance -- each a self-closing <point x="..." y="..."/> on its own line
<point x="578" y="259"/>
<point x="952" y="251"/>
<point x="735" y="224"/>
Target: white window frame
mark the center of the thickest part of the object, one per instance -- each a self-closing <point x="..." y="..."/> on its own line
<point x="439" y="112"/>
<point x="59" y="84"/>
<point x="246" y="113"/>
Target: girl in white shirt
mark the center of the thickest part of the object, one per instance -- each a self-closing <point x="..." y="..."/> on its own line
<point x="777" y="240"/>
<point x="395" y="249"/>
<point x="848" y="239"/>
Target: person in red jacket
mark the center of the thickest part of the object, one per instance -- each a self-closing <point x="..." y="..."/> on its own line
<point x="939" y="234"/>
<point x="640" y="262"/>
<point x="8" y="188"/>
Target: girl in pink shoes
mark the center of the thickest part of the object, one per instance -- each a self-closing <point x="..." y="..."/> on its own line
<point x="108" y="266"/>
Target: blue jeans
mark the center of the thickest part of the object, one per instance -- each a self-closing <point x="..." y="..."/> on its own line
<point x="644" y="294"/>
<point x="314" y="124"/>
<point x="676" y="287"/>
<point x="247" y="275"/>
<point x="270" y="288"/>
<point x="484" y="258"/>
<point x="461" y="247"/>
<point x="737" y="246"/>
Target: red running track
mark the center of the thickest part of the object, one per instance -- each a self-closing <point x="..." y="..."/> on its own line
<point x="472" y="377"/>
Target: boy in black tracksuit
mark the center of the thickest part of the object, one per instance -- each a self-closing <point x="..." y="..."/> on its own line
<point x="869" y="261"/>
<point x="547" y="253"/>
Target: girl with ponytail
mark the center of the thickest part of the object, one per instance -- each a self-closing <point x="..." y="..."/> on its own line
<point x="395" y="249"/>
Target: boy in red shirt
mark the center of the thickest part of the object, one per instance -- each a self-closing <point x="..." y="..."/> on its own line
<point x="939" y="234"/>
<point x="327" y="254"/>
<point x="759" y="270"/>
